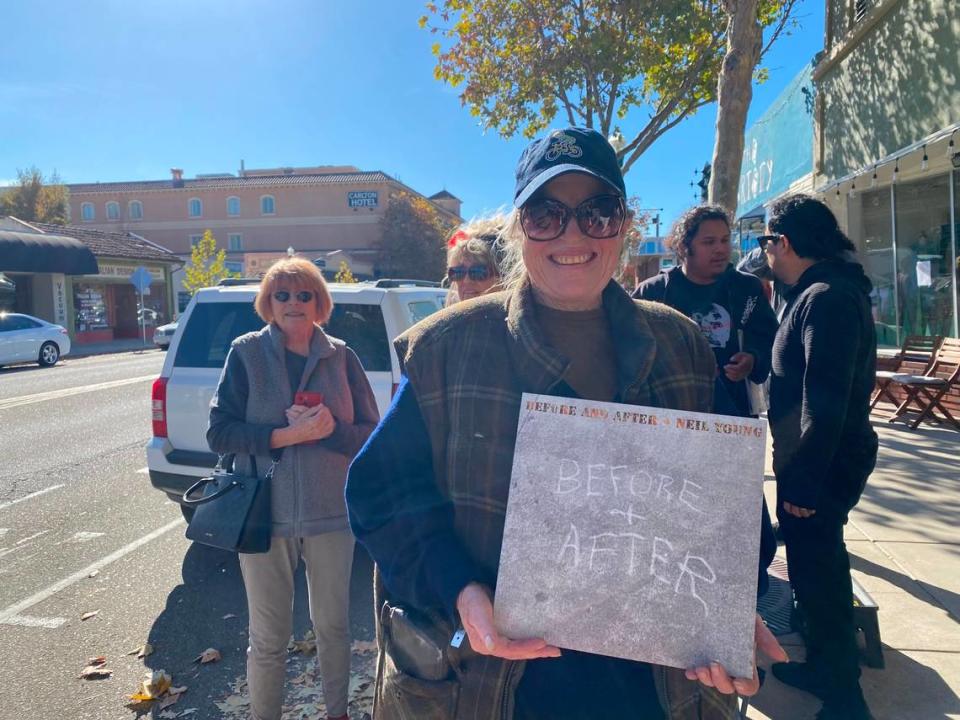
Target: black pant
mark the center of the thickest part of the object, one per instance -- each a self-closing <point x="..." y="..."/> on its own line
<point x="820" y="576"/>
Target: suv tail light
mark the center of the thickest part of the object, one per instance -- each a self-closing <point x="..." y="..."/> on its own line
<point x="158" y="397"/>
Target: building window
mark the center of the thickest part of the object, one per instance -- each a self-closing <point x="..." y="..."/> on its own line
<point x="194" y="207"/>
<point x="267" y="205"/>
<point x="195" y="240"/>
<point x="135" y="210"/>
<point x="113" y="210"/>
<point x="234" y="266"/>
<point x="233" y="206"/>
<point x="87" y="212"/>
<point x="234" y="242"/>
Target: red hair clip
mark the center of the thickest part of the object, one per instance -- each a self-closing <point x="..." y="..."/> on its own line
<point x="457" y="237"/>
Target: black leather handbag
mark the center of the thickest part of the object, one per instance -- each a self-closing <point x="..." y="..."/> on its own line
<point x="232" y="511"/>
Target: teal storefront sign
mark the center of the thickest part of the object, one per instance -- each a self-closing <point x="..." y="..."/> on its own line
<point x="778" y="147"/>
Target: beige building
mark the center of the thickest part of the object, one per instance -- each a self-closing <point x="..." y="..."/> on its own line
<point x="319" y="211"/>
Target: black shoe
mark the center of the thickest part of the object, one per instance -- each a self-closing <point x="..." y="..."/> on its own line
<point x="802" y="676"/>
<point x="853" y="708"/>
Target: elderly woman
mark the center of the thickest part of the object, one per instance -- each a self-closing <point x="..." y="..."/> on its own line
<point x="473" y="262"/>
<point x="294" y="396"/>
<point x="428" y="494"/>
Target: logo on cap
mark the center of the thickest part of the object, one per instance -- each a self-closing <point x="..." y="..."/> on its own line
<point x="563" y="144"/>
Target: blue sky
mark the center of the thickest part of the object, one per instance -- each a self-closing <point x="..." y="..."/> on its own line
<point x="117" y="90"/>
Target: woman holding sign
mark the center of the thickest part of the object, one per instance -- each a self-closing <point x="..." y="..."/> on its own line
<point x="428" y="493"/>
<point x="291" y="393"/>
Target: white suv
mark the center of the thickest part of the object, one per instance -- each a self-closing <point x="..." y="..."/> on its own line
<point x="365" y="316"/>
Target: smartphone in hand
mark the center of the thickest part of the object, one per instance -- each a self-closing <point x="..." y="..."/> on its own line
<point x="308" y="399"/>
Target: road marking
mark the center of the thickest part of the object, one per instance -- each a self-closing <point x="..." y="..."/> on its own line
<point x="4" y="506"/>
<point x="69" y="392"/>
<point x="143" y="471"/>
<point x="10" y="615"/>
<point x="30" y="621"/>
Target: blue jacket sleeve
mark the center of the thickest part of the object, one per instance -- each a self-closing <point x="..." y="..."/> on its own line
<point x="399" y="515"/>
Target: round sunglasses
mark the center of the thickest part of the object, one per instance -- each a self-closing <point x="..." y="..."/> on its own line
<point x="477" y="273"/>
<point x="303" y="296"/>
<point x="600" y="217"/>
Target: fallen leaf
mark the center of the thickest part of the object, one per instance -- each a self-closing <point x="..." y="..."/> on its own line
<point x="152" y="686"/>
<point x="93" y="574"/>
<point x="88" y="615"/>
<point x="98" y="660"/>
<point x="95" y="672"/>
<point x="208" y="656"/>
<point x="189" y="711"/>
<point x="170" y="698"/>
<point x="228" y="616"/>
<point x="142" y="651"/>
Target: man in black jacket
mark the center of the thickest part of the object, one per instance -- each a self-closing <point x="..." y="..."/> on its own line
<point x="824" y="448"/>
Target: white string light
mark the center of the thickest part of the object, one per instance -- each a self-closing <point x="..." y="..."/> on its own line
<point x="896" y="170"/>
<point x="924" y="164"/>
<point x="950" y="146"/>
<point x="873" y="180"/>
<point x="853" y="190"/>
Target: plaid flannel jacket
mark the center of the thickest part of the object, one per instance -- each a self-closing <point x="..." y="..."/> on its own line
<point x="469" y="366"/>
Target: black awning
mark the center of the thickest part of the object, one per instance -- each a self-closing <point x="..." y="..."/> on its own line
<point x="36" y="252"/>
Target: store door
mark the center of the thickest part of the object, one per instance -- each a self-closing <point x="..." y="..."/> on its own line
<point x="125" y="323"/>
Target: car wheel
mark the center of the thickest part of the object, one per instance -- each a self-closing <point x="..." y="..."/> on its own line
<point x="49" y="354"/>
<point x="187" y="513"/>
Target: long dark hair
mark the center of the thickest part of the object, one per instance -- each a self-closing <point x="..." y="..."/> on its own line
<point x="687" y="225"/>
<point x="811" y="227"/>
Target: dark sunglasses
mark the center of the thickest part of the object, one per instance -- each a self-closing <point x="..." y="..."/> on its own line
<point x="599" y="217"/>
<point x="303" y="296"/>
<point x="477" y="273"/>
<point x="764" y="239"/>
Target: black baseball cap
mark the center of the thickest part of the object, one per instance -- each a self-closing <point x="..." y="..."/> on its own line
<point x="573" y="149"/>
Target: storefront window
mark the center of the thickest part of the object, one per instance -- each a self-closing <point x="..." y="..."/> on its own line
<point x="955" y="257"/>
<point x="925" y="273"/>
<point x="871" y="230"/>
<point x="90" y="308"/>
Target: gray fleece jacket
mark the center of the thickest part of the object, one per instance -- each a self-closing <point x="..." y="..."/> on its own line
<point x="253" y="393"/>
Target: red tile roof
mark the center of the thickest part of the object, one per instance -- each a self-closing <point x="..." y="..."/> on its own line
<point x="112" y="244"/>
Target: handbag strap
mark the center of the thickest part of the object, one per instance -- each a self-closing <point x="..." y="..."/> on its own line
<point x="225" y="463"/>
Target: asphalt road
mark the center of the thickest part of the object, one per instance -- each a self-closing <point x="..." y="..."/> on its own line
<point x="82" y="531"/>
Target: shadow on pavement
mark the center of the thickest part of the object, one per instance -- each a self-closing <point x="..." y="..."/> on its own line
<point x="197" y="617"/>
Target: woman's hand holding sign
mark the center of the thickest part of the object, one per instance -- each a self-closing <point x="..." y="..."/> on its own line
<point x="715" y="676"/>
<point x="476" y="614"/>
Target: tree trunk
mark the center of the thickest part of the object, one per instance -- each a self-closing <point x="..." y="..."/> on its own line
<point x="734" y="92"/>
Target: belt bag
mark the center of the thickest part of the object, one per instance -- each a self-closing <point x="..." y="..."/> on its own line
<point x="232" y="511"/>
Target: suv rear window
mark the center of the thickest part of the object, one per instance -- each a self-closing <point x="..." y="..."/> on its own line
<point x="211" y="328"/>
<point x="362" y="328"/>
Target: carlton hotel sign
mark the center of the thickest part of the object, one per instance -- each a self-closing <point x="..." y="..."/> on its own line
<point x="362" y="198"/>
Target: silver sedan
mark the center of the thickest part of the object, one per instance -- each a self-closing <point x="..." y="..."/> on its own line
<point x="24" y="338"/>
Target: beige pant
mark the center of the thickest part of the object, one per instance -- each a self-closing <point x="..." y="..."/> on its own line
<point x="268" y="578"/>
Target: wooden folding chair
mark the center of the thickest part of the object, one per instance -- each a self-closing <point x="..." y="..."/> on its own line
<point x="917" y="353"/>
<point x="927" y="391"/>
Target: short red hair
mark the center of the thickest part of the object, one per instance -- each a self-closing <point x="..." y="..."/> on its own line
<point x="299" y="274"/>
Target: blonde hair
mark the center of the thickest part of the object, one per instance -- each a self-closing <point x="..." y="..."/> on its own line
<point x="298" y="273"/>
<point x="479" y="240"/>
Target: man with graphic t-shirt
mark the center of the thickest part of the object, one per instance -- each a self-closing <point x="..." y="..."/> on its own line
<point x="729" y="306"/>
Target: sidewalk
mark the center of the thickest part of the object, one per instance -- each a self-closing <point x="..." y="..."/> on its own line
<point x="904" y="547"/>
<point x="105" y="348"/>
